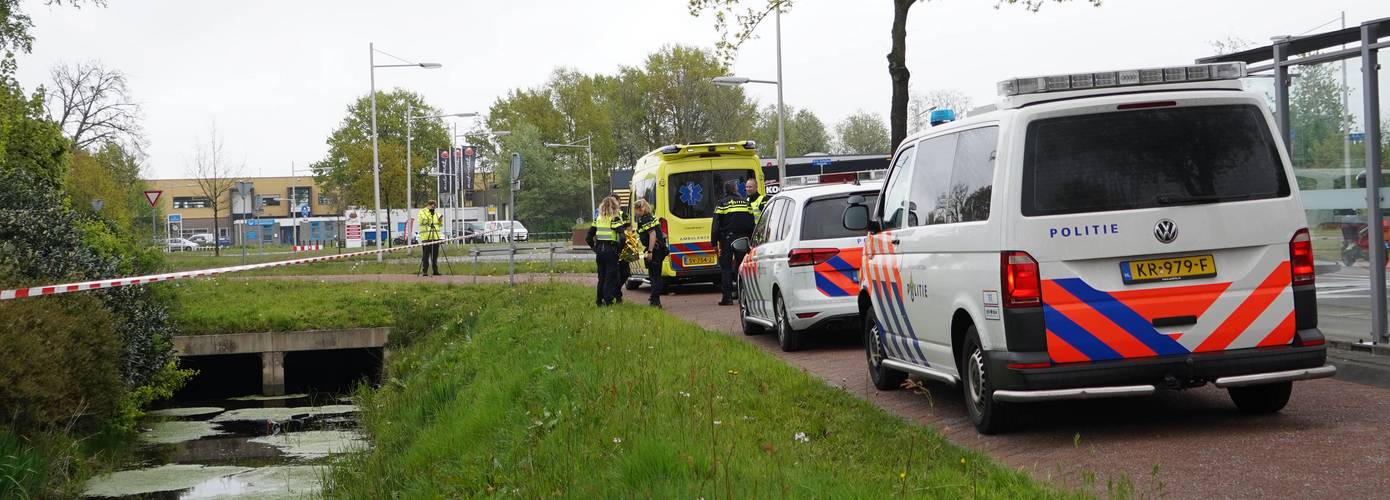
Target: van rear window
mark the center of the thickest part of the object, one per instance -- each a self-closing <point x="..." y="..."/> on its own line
<point x="694" y="194"/>
<point x="1150" y="158"/>
<point x="823" y="218"/>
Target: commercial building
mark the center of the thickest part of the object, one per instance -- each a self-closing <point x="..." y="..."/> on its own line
<point x="278" y="200"/>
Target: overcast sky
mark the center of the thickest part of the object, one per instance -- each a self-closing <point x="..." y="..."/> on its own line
<point x="276" y="76"/>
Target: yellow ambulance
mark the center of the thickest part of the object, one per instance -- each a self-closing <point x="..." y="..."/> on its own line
<point x="683" y="182"/>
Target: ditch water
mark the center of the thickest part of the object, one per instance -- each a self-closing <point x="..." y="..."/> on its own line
<point x="253" y="446"/>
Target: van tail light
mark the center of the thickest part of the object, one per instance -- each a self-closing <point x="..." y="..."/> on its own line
<point x="1301" y="257"/>
<point x="1312" y="342"/>
<point x="664" y="232"/>
<point x="810" y="256"/>
<point x="1020" y="281"/>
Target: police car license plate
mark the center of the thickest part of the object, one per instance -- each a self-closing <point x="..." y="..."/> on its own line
<point x="698" y="260"/>
<point x="1169" y="269"/>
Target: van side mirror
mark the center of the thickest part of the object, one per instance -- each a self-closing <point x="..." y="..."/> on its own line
<point x="856" y="216"/>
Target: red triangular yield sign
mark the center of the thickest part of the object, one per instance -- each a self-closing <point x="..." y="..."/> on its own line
<point x="153" y="196"/>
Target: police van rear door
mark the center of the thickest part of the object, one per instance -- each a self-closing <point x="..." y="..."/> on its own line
<point x="1161" y="223"/>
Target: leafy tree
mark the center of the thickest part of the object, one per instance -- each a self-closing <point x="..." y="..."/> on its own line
<point x="110" y="174"/>
<point x="553" y="193"/>
<point x="747" y="19"/>
<point x="668" y="99"/>
<point x="347" y="169"/>
<point x="805" y="132"/>
<point x="862" y="133"/>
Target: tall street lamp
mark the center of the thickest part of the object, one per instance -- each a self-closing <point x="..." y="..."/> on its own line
<point x="588" y="146"/>
<point x="781" y="135"/>
<point x="376" y="156"/>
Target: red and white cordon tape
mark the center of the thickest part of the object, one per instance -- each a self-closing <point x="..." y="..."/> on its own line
<point x="308" y="248"/>
<point x="36" y="291"/>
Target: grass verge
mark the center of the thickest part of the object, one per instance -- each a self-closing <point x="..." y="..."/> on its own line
<point x="532" y="392"/>
<point x="396" y="263"/>
<point x="211" y="306"/>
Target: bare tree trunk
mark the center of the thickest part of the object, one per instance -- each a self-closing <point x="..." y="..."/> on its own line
<point x="897" y="69"/>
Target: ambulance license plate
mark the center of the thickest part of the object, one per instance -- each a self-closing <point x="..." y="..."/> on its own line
<point x="698" y="260"/>
<point x="1169" y="269"/>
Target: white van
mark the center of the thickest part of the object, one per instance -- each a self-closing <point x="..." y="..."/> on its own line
<point x="499" y="231"/>
<point x="802" y="274"/>
<point x="1094" y="235"/>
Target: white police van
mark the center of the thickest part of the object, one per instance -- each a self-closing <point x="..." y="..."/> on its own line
<point x="802" y="274"/>
<point x="1094" y="235"/>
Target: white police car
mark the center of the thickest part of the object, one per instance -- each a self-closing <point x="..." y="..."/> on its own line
<point x="803" y="271"/>
<point x="1094" y="235"/>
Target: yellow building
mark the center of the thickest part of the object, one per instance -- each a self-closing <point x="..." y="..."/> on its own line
<point x="188" y="211"/>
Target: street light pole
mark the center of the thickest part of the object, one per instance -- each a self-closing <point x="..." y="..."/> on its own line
<point x="781" y="134"/>
<point x="409" y="172"/>
<point x="781" y="111"/>
<point x="376" y="161"/>
<point x="376" y="156"/>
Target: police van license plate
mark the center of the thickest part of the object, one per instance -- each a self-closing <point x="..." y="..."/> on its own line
<point x="1169" y="269"/>
<point x="698" y="260"/>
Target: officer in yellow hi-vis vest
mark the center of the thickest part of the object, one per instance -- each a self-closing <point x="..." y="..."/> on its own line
<point x="431" y="231"/>
<point x="733" y="220"/>
<point x="756" y="198"/>
<point x="606" y="238"/>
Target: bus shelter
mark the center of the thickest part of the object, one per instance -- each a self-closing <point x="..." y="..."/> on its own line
<point x="1325" y="91"/>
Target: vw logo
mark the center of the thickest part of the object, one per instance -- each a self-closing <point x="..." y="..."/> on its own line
<point x="1165" y="231"/>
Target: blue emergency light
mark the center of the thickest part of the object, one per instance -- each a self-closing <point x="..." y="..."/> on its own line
<point x="940" y="116"/>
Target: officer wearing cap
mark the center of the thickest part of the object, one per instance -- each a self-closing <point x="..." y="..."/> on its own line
<point x="733" y="220"/>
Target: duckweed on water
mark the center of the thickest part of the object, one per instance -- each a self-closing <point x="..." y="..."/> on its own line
<point x="282" y="414"/>
<point x="311" y="444"/>
<point x="171" y="477"/>
<point x="196" y="411"/>
<point x="179" y="431"/>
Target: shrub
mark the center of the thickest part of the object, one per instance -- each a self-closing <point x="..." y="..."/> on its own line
<point x="62" y="363"/>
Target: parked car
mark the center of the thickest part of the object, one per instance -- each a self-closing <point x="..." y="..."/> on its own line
<point x="400" y="240"/>
<point x="802" y="274"/>
<point x="179" y="245"/>
<point x="500" y="230"/>
<point x="473" y="232"/>
<point x="1093" y="235"/>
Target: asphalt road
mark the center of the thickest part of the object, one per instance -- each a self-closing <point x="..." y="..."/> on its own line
<point x="1332" y="441"/>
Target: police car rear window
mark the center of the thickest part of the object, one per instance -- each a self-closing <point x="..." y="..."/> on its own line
<point x="1150" y="158"/>
<point x="823" y="218"/>
<point x="694" y="194"/>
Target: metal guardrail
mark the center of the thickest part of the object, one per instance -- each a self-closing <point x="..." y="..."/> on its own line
<point x="512" y="252"/>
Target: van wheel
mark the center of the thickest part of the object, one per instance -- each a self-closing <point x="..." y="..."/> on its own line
<point x="633" y="284"/>
<point x="787" y="338"/>
<point x="988" y="415"/>
<point x="1264" y="398"/>
<point x="749" y="328"/>
<point x="884" y="378"/>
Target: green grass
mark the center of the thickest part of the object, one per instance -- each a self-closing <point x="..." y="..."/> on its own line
<point x="396" y="263"/>
<point x="235" y="306"/>
<point x="533" y="392"/>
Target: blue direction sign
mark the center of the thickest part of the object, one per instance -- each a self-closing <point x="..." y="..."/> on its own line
<point x="821" y="162"/>
<point x="175" y="217"/>
<point x="1357" y="137"/>
<point x="304" y="210"/>
<point x="251" y="235"/>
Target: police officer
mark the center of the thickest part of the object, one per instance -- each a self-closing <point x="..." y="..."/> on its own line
<point x="756" y="199"/>
<point x="605" y="238"/>
<point x="733" y="219"/>
<point x="431" y="224"/>
<point x="649" y="229"/>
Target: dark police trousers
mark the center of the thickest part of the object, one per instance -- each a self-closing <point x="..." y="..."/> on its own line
<point x="429" y="257"/>
<point x="606" y="256"/>
<point x="654" y="274"/>
<point x="729" y="260"/>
